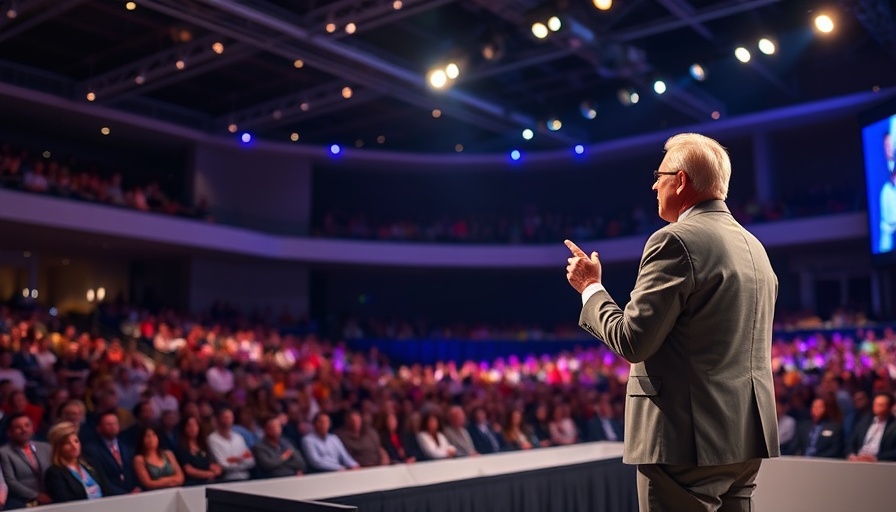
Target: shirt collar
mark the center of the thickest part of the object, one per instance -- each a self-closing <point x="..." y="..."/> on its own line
<point x="685" y="213"/>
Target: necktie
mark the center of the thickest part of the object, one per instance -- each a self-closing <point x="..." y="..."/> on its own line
<point x="115" y="453"/>
<point x="29" y="454"/>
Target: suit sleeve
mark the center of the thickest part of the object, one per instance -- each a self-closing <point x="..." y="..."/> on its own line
<point x="664" y="282"/>
<point x="15" y="487"/>
<point x="54" y="481"/>
<point x="266" y="458"/>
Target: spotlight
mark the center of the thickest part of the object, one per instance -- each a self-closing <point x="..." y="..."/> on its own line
<point x="91" y="96"/>
<point x="635" y="98"/>
<point x="438" y="78"/>
<point x="100" y="293"/>
<point x="91" y="295"/>
<point x="493" y="47"/>
<point x="305" y="106"/>
<point x="397" y="5"/>
<point x="331" y="27"/>
<point x="716" y="115"/>
<point x="46" y="154"/>
<point x="105" y="130"/>
<point x="742" y="54"/>
<point x="659" y="87"/>
<point x="139" y="79"/>
<point x="766" y="46"/>
<point x="246" y="137"/>
<point x="824" y="23"/>
<point x="625" y="97"/>
<point x="579" y="149"/>
<point x="587" y="109"/>
<point x="528" y="134"/>
<point x="539" y="30"/>
<point x="381" y="139"/>
<point x="346" y="92"/>
<point x="130" y="6"/>
<point x="603" y="5"/>
<point x="452" y="71"/>
<point x="350" y="28"/>
<point x="697" y="72"/>
<point x="294" y="137"/>
<point x="298" y="63"/>
<point x="459" y="147"/>
<point x="436" y="113"/>
<point x="180" y="64"/>
<point x="218" y="47"/>
<point x="11" y="13"/>
<point x="554" y="23"/>
<point x="515" y="155"/>
<point x="232" y="128"/>
<point x="335" y="149"/>
<point x="554" y="124"/>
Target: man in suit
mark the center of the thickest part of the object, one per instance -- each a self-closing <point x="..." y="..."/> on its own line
<point x="456" y="432"/>
<point x="485" y="440"/>
<point x="700" y="405"/>
<point x="603" y="426"/>
<point x="24" y="463"/>
<point x="823" y="435"/>
<point x="874" y="437"/>
<point x="111" y="456"/>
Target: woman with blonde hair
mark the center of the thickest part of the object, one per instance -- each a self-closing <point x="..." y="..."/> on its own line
<point x="69" y="478"/>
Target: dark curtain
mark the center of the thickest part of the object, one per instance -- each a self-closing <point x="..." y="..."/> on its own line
<point x="602" y="486"/>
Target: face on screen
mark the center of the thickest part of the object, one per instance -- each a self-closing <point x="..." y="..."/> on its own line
<point x="879" y="145"/>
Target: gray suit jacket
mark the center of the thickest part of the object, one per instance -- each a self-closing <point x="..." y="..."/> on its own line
<point x="23" y="481"/>
<point x="698" y="330"/>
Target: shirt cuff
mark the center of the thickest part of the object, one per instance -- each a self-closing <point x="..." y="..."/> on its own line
<point x="590" y="290"/>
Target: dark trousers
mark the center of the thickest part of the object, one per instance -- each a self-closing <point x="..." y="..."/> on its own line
<point x="669" y="488"/>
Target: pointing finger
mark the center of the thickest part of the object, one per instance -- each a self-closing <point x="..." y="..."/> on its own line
<point x="575" y="249"/>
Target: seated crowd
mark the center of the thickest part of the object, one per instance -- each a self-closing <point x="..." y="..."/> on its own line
<point x="85" y="417"/>
<point x="532" y="226"/>
<point x="21" y="170"/>
<point x="31" y="172"/>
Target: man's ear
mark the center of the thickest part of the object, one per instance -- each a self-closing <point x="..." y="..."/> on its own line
<point x="683" y="180"/>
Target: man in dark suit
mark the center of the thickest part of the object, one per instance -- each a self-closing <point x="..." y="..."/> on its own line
<point x="603" y="426"/>
<point x="111" y="456"/>
<point x="874" y="437"/>
<point x="700" y="406"/>
<point x="484" y="438"/>
<point x="24" y="463"/>
<point x="823" y="435"/>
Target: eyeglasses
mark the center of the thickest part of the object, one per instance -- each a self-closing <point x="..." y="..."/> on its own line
<point x="657" y="174"/>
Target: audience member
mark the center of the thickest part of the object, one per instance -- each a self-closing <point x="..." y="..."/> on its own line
<point x="325" y="451"/>
<point x="361" y="441"/>
<point x="229" y="448"/>
<point x="392" y="440"/>
<point x="69" y="477"/>
<point x="484" y="437"/>
<point x="563" y="430"/>
<point x="874" y="438"/>
<point x="193" y="454"/>
<point x="111" y="457"/>
<point x="515" y="434"/>
<point x="274" y="454"/>
<point x="457" y="434"/>
<point x="432" y="441"/>
<point x="604" y="426"/>
<point x="155" y="467"/>
<point x="24" y="462"/>
<point x="823" y="436"/>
